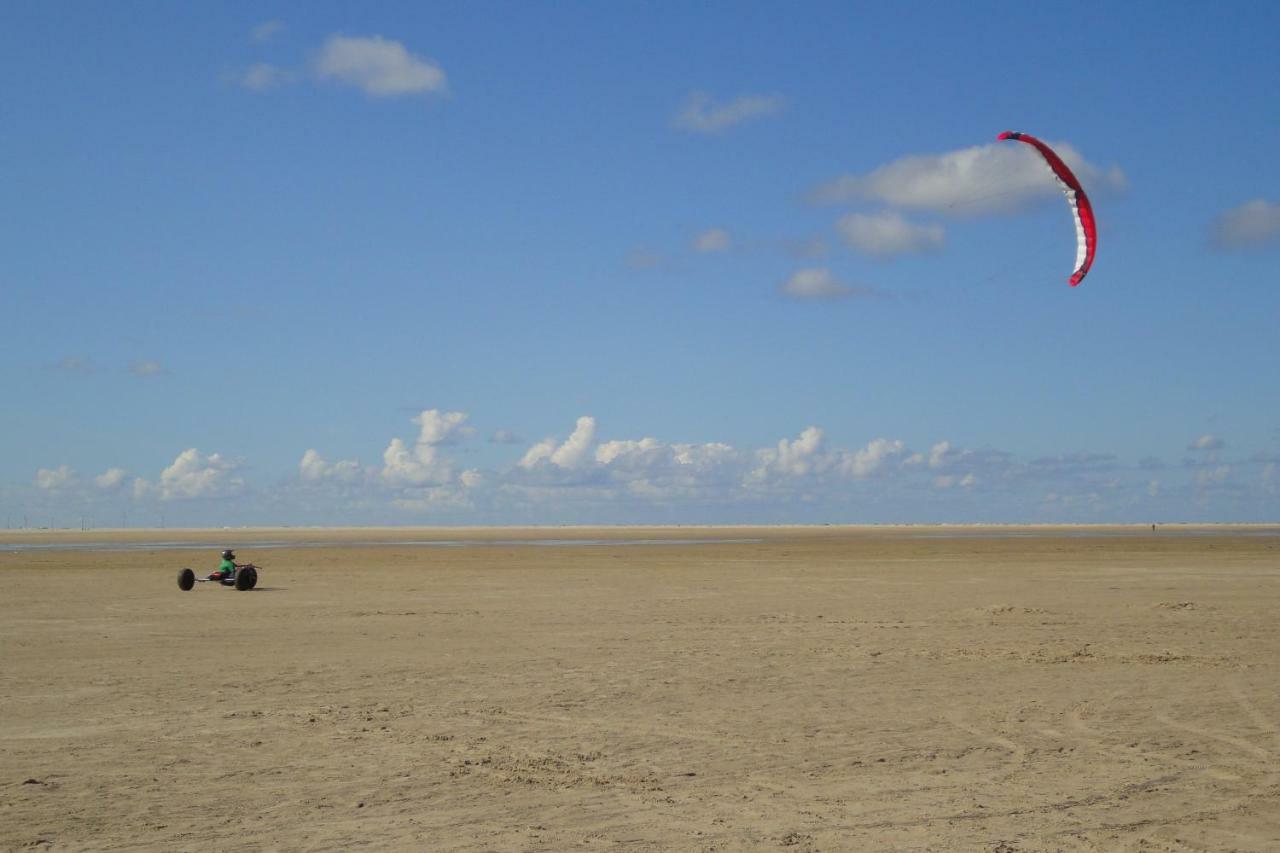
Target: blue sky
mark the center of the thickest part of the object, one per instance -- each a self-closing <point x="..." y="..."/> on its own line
<point x="578" y="262"/>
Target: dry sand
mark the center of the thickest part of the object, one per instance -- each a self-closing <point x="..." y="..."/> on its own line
<point x="810" y="689"/>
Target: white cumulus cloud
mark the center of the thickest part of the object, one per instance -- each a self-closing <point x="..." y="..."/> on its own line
<point x="378" y="67"/>
<point x="55" y="478"/>
<point x="112" y="478"/>
<point x="423" y="463"/>
<point x="194" y="475"/>
<point x="314" y="468"/>
<point x="642" y="453"/>
<point x="940" y="453"/>
<point x="707" y="456"/>
<point x="417" y="465"/>
<point x="701" y="114"/>
<point x="870" y="459"/>
<point x="571" y="454"/>
<point x="644" y="468"/>
<point x="980" y="179"/>
<point x="887" y="233"/>
<point x="1251" y="225"/>
<point x="442" y="427"/>
<point x="797" y="458"/>
<point x="807" y="458"/>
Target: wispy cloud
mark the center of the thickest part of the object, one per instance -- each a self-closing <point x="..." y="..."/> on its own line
<point x="147" y="368"/>
<point x="818" y="283"/>
<point x="887" y="234"/>
<point x="1253" y="225"/>
<point x="73" y="364"/>
<point x="701" y="114"/>
<point x="266" y="31"/>
<point x="1207" y="442"/>
<point x="980" y="179"/>
<point x="712" y="240"/>
<point x="379" y="67"/>
<point x="944" y="458"/>
<point x="1212" y="475"/>
<point x="646" y="260"/>
<point x="265" y="77"/>
<point x="810" y="247"/>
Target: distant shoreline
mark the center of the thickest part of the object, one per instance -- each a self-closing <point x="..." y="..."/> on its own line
<point x="284" y="537"/>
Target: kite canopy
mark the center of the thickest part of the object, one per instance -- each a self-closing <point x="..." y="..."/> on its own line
<point x="1081" y="209"/>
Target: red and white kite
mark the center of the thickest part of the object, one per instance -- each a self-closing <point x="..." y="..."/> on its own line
<point x="1081" y="210"/>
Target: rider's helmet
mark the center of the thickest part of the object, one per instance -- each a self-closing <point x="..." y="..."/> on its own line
<point x="228" y="554"/>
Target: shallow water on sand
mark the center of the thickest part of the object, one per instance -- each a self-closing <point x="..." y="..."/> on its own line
<point x="282" y="543"/>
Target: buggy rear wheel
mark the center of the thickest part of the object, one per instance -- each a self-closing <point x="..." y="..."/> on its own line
<point x="186" y="579"/>
<point x="246" y="578"/>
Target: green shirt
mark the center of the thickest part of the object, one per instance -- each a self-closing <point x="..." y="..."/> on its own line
<point x="227" y="567"/>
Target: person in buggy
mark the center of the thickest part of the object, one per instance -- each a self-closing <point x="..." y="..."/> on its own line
<point x="242" y="576"/>
<point x="227" y="568"/>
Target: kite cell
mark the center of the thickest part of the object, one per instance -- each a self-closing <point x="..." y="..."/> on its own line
<point x="1081" y="210"/>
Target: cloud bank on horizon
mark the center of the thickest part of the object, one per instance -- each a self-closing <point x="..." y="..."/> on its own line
<point x="583" y="477"/>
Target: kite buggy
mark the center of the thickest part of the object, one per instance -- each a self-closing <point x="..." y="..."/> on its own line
<point x="242" y="576"/>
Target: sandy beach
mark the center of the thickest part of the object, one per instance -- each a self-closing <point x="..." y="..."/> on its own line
<point x="914" y="688"/>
